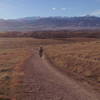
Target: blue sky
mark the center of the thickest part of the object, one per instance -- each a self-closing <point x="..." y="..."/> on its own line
<point x="25" y="8"/>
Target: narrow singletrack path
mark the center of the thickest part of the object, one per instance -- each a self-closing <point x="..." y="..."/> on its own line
<point x="42" y="82"/>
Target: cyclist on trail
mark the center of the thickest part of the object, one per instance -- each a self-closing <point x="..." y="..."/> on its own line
<point x="41" y="51"/>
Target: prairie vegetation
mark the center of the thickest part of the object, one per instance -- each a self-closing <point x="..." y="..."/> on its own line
<point x="13" y="53"/>
<point x="78" y="56"/>
<point x="78" y="59"/>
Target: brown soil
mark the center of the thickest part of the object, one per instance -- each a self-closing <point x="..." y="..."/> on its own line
<point x="42" y="82"/>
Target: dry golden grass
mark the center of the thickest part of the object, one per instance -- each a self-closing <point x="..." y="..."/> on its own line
<point x="73" y="54"/>
<point x="82" y="58"/>
<point x="13" y="52"/>
<point x="10" y="43"/>
<point x="9" y="59"/>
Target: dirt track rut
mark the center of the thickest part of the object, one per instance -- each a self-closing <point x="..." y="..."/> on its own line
<point x="43" y="82"/>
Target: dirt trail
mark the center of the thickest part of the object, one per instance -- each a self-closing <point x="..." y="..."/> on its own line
<point x="43" y="82"/>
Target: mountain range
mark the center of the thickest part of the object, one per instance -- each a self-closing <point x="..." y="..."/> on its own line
<point x="49" y="23"/>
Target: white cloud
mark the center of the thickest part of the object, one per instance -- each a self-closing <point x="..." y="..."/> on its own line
<point x="95" y="13"/>
<point x="63" y="9"/>
<point x="54" y="8"/>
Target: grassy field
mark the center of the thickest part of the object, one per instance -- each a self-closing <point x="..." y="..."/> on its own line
<point x="80" y="59"/>
<point x="76" y="55"/>
<point x="13" y="53"/>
